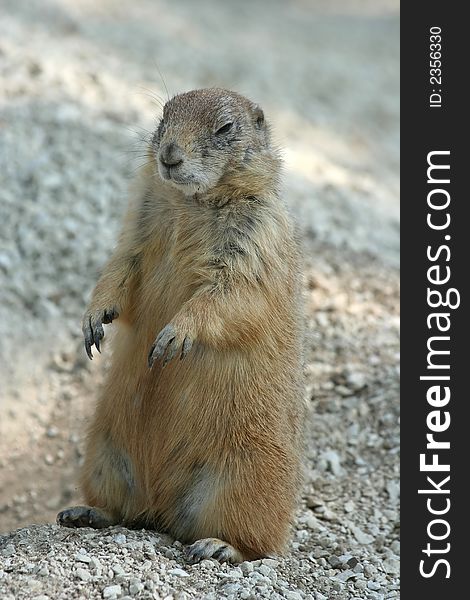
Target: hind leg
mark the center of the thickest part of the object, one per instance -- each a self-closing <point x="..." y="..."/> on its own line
<point x="108" y="485"/>
<point x="243" y="512"/>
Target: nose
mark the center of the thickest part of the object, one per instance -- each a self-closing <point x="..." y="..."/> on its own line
<point x="171" y="155"/>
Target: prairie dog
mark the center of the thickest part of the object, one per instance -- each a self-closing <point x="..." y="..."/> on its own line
<point x="197" y="431"/>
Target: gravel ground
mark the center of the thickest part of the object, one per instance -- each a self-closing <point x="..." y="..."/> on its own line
<point x="79" y="89"/>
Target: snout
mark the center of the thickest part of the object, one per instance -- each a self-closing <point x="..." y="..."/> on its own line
<point x="171" y="155"/>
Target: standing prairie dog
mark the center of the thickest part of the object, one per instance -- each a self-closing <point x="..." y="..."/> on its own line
<point x="197" y="430"/>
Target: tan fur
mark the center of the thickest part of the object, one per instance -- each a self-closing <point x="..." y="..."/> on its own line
<point x="207" y="446"/>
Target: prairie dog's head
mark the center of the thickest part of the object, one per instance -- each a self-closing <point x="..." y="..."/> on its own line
<point x="205" y="134"/>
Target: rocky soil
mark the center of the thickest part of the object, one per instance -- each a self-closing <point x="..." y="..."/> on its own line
<point x="80" y="87"/>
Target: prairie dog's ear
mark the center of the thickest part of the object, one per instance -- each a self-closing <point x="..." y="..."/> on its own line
<point x="258" y="116"/>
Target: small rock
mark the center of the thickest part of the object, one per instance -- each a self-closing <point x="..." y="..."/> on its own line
<point x="246" y="567"/>
<point x="135" y="587"/>
<point x="120" y="538"/>
<point x="9" y="550"/>
<point x="178" y="572"/>
<point x="292" y="595"/>
<point x="231" y="588"/>
<point x="393" y="490"/>
<point x="356" y="380"/>
<point x="83" y="574"/>
<point x="345" y="575"/>
<point x="82" y="558"/>
<point x="369" y="570"/>
<point x="313" y="523"/>
<point x="94" y="562"/>
<point x="313" y="502"/>
<point x="373" y="585"/>
<point x="207" y="564"/>
<point x="333" y="461"/>
<point x="361" y="537"/>
<point x="395" y="547"/>
<point x="358" y="568"/>
<point x="335" y="562"/>
<point x="391" y="566"/>
<point x="360" y="584"/>
<point x="234" y="574"/>
<point x="112" y="591"/>
<point x="270" y="562"/>
<point x="52" y="432"/>
<point x="336" y="585"/>
<point x="352" y="562"/>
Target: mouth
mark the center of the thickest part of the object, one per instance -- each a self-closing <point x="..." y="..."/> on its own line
<point x="171" y="175"/>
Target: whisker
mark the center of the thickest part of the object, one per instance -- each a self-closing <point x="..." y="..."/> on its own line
<point x="163" y="80"/>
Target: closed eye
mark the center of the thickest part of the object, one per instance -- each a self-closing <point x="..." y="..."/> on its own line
<point x="224" y="129"/>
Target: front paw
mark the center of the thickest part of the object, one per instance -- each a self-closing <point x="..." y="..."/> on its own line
<point x="92" y="327"/>
<point x="170" y="341"/>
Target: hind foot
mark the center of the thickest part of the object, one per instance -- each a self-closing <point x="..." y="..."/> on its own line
<point x="85" y="516"/>
<point x="212" y="548"/>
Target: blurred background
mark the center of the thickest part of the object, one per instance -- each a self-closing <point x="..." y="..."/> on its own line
<point x="80" y="87"/>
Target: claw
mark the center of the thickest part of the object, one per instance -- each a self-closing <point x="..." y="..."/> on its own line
<point x="187" y="345"/>
<point x="165" y="337"/>
<point x="88" y="349"/>
<point x="212" y="548"/>
<point x="150" y="359"/>
<point x="93" y="329"/>
<point x="167" y="345"/>
<point x="98" y="334"/>
<point x="172" y="349"/>
<point x="88" y="333"/>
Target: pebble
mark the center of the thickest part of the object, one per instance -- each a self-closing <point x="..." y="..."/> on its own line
<point x="231" y="588"/>
<point x="392" y="566"/>
<point x="345" y="575"/>
<point x="135" y="587"/>
<point x="9" y="550"/>
<point x="84" y="558"/>
<point x="120" y="538"/>
<point x="246" y="567"/>
<point x="352" y="562"/>
<point x="313" y="502"/>
<point x="118" y="570"/>
<point x="112" y="591"/>
<point x="292" y="596"/>
<point x="334" y="463"/>
<point x="264" y="570"/>
<point x="235" y="573"/>
<point x="374" y="586"/>
<point x="356" y="380"/>
<point x="361" y="537"/>
<point x="335" y="562"/>
<point x="395" y="547"/>
<point x="270" y="562"/>
<point x="393" y="490"/>
<point x="83" y="574"/>
<point x="52" y="432"/>
<point x="178" y="572"/>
